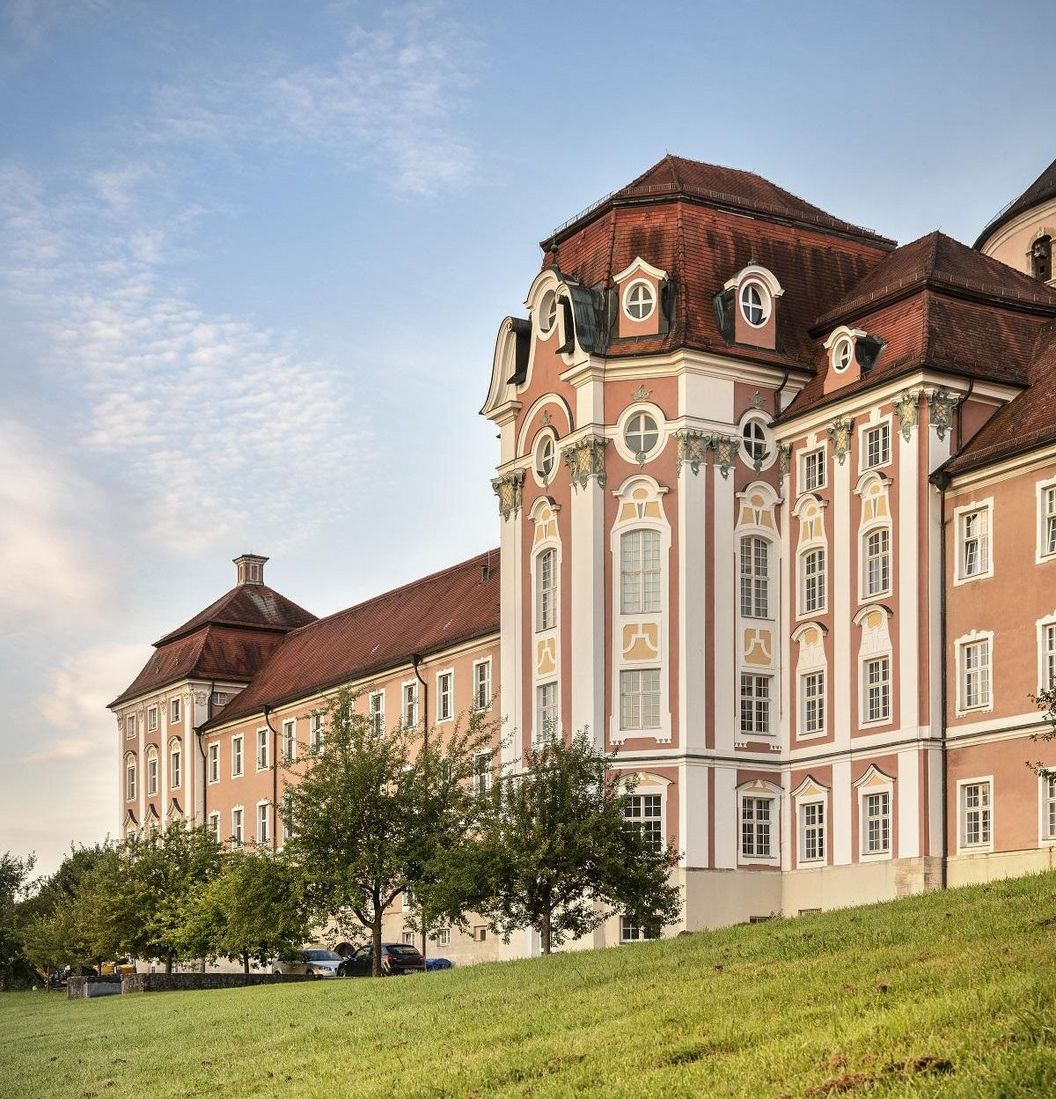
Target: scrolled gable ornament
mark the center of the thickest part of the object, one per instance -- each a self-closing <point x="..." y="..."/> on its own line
<point x="840" y="437"/>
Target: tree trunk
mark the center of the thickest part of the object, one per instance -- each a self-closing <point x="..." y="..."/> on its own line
<point x="245" y="962"/>
<point x="168" y="963"/>
<point x="545" y="931"/>
<point x="375" y="941"/>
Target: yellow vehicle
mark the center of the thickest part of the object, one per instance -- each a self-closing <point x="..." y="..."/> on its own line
<point x="119" y="967"/>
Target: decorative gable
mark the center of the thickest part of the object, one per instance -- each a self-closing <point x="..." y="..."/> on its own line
<point x="753" y="294"/>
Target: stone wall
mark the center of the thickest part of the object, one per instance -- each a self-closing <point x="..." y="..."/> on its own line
<point x="177" y="982"/>
<point x="78" y="988"/>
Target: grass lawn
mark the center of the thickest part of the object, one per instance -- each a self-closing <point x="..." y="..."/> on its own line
<point x="947" y="994"/>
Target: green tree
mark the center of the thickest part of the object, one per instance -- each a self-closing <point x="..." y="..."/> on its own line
<point x="1046" y="702"/>
<point x="555" y="854"/>
<point x="254" y="910"/>
<point x="370" y="812"/>
<point x="14" y="886"/>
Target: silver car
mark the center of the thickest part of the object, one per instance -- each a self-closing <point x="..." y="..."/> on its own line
<point x="316" y="961"/>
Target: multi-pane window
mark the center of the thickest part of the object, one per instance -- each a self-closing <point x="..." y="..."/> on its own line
<point x="755" y="703"/>
<point x="130" y="779"/>
<point x="482" y="684"/>
<point x="445" y="696"/>
<point x="756" y="815"/>
<point x="442" y="936"/>
<point x="631" y="932"/>
<point x="214" y="826"/>
<point x="546" y="711"/>
<point x="376" y="712"/>
<point x="214" y="762"/>
<point x="315" y="732"/>
<point x="639" y="571"/>
<point x="152" y="718"/>
<point x="638" y="301"/>
<point x="975" y="674"/>
<point x="130" y="726"/>
<point x="236" y="827"/>
<point x="877" y="445"/>
<point x="975" y="542"/>
<point x="481" y="773"/>
<point x="1048" y="656"/>
<point x="813" y="470"/>
<point x="152" y="773"/>
<point x="175" y="712"/>
<point x="641" y="434"/>
<point x="812" y="831"/>
<point x="755" y="442"/>
<point x="262" y="823"/>
<point x="236" y="756"/>
<point x="812" y="695"/>
<point x="262" y="749"/>
<point x="975" y="814"/>
<point x="546" y="590"/>
<point x="175" y="765"/>
<point x="755" y="577"/>
<point x="407" y="938"/>
<point x="877" y="561"/>
<point x="289" y="739"/>
<point x="876" y="674"/>
<point x="813" y="581"/>
<point x="1048" y="807"/>
<point x="1048" y="521"/>
<point x="640" y="698"/>
<point x="642" y="811"/>
<point x="409" y="710"/>
<point x="876" y="823"/>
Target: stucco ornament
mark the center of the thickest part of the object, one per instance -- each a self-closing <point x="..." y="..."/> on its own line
<point x="641" y="394"/>
<point x="940" y="411"/>
<point x="585" y="459"/>
<point x="907" y="410"/>
<point x="692" y="449"/>
<point x="784" y="460"/>
<point x="510" y="490"/>
<point x="726" y="448"/>
<point x="840" y="436"/>
<point x="201" y="697"/>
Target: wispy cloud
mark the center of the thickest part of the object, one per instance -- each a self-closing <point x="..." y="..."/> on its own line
<point x="31" y="21"/>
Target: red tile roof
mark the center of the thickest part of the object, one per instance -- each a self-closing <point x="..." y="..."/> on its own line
<point x="433" y="613"/>
<point x="252" y="606"/>
<point x="1041" y="190"/>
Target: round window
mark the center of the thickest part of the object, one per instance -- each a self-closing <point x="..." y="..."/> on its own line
<point x="639" y="301"/>
<point x="842" y="352"/>
<point x="755" y="304"/>
<point x="756" y="442"/>
<point x="641" y="434"/>
<point x="548" y="312"/>
<point x="546" y="458"/>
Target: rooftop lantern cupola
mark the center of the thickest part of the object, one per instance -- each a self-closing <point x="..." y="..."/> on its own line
<point x="250" y="568"/>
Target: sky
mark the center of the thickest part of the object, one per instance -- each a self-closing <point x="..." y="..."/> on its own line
<point x="254" y="255"/>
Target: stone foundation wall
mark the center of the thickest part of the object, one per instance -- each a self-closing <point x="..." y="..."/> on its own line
<point x="181" y="982"/>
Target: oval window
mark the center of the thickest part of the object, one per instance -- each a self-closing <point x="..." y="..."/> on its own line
<point x="842" y="353"/>
<point x="641" y="434"/>
<point x="639" y="301"/>
<point x="755" y="304"/>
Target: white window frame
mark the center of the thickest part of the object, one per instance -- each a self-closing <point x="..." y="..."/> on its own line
<point x="214" y="825"/>
<point x="152" y="719"/>
<point x="1046" y="811"/>
<point x="637" y="933"/>
<point x="765" y="303"/>
<point x="817" y="801"/>
<point x="263" y="758"/>
<point x="213" y="763"/>
<point x="635" y="815"/>
<point x="376" y="712"/>
<point x="865" y="593"/>
<point x="818" y="453"/>
<point x="761" y="420"/>
<point x="1046" y="629"/>
<point x="175" y="712"/>
<point x="749" y="581"/>
<point x="543" y="709"/>
<point x="623" y="424"/>
<point x="753" y="699"/>
<point x="481" y="775"/>
<point x="976" y="637"/>
<point x="263" y="823"/>
<point x="482" y="684"/>
<point x="642" y="729"/>
<point x="884" y="853"/>
<point x="801" y="586"/>
<point x="880" y="426"/>
<point x="773" y="857"/>
<point x="546" y="596"/>
<point x="441" y="936"/>
<point x="153" y="771"/>
<point x="409" y="711"/>
<point x="316" y="731"/>
<point x="803" y="733"/>
<point x="962" y="811"/>
<point x="1043" y="553"/>
<point x="643" y="572"/>
<point x="445" y="693"/>
<point x="131" y="777"/>
<point x="865" y="721"/>
<point x="238" y="835"/>
<point x="175" y="763"/>
<point x="289" y="739"/>
<point x="983" y="507"/>
<point x="238" y="762"/>
<point x="626" y="303"/>
<point x="131" y="727"/>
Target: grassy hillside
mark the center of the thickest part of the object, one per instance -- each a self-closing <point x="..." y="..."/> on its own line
<point x="948" y="994"/>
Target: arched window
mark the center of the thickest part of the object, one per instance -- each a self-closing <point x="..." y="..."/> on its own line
<point x="813" y="578"/>
<point x="152" y="770"/>
<point x="639" y="571"/>
<point x="130" y="778"/>
<point x="876" y="561"/>
<point x="1041" y="258"/>
<point x="755" y="577"/>
<point x="175" y="764"/>
<point x="546" y="590"/>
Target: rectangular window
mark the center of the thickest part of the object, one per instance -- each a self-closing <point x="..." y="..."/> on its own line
<point x="445" y="696"/>
<point x="1048" y="656"/>
<point x="481" y="773"/>
<point x="1048" y="521"/>
<point x="756" y="814"/>
<point x="214" y="762"/>
<point x="812" y="694"/>
<point x="975" y="814"/>
<point x="219" y="698"/>
<point x="635" y="932"/>
<point x="1048" y="808"/>
<point x="813" y="470"/>
<point x="546" y="719"/>
<point x="130" y="726"/>
<point x="407" y="938"/>
<point x="236" y="756"/>
<point x="812" y="831"/>
<point x="410" y="705"/>
<point x="877" y="446"/>
<point x="289" y="739"/>
<point x="175" y="766"/>
<point x="482" y="684"/>
<point x="640" y="699"/>
<point x="442" y="936"/>
<point x="876" y="674"/>
<point x="877" y="561"/>
<point x="876" y="823"/>
<point x="376" y="704"/>
<point x="315" y="731"/>
<point x="975" y="674"/>
<point x="130" y="780"/>
<point x="643" y="812"/>
<point x="974" y="551"/>
<point x="214" y="826"/>
<point x="813" y="588"/>
<point x="262" y="823"/>
<point x="639" y="572"/>
<point x="236" y="827"/>
<point x="755" y="704"/>
<point x="755" y="577"/>
<point x="262" y="749"/>
<point x="546" y="588"/>
<point x="152" y="719"/>
<point x="175" y="712"/>
<point x="152" y="774"/>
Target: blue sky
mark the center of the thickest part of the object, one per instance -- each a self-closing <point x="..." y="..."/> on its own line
<point x="253" y="257"/>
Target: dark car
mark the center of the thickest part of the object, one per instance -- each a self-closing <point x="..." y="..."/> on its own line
<point x="396" y="959"/>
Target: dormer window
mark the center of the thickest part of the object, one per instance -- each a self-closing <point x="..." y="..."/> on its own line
<point x="842" y="353"/>
<point x="547" y="313"/>
<point x="639" y="301"/>
<point x="750" y="301"/>
<point x="1041" y="258"/>
<point x="756" y="303"/>
<point x="851" y="352"/>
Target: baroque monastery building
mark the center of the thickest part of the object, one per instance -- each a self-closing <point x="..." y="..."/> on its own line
<point x="777" y="520"/>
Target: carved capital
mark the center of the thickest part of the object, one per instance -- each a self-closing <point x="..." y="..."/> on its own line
<point x="907" y="410"/>
<point x="510" y="490"/>
<point x="840" y="437"/>
<point x="692" y="449"/>
<point x="200" y="696"/>
<point x="940" y="410"/>
<point x="726" y="448"/>
<point x="586" y="459"/>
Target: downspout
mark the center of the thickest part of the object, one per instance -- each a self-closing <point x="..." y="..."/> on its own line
<point x="416" y="660"/>
<point x="274" y="777"/>
<point x="941" y="482"/>
<point x="779" y="391"/>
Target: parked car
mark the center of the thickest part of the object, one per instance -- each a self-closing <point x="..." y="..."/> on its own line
<point x="396" y="959"/>
<point x="316" y="961"/>
<point x="439" y="963"/>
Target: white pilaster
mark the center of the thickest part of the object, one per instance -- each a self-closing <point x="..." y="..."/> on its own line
<point x="909" y="545"/>
<point x="841" y="812"/>
<point x="727" y="826"/>
<point x="510" y="638"/>
<point x="723" y="596"/>
<point x="692" y="603"/>
<point x="909" y="803"/>
<point x="844" y="674"/>
<point x="588" y="610"/>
